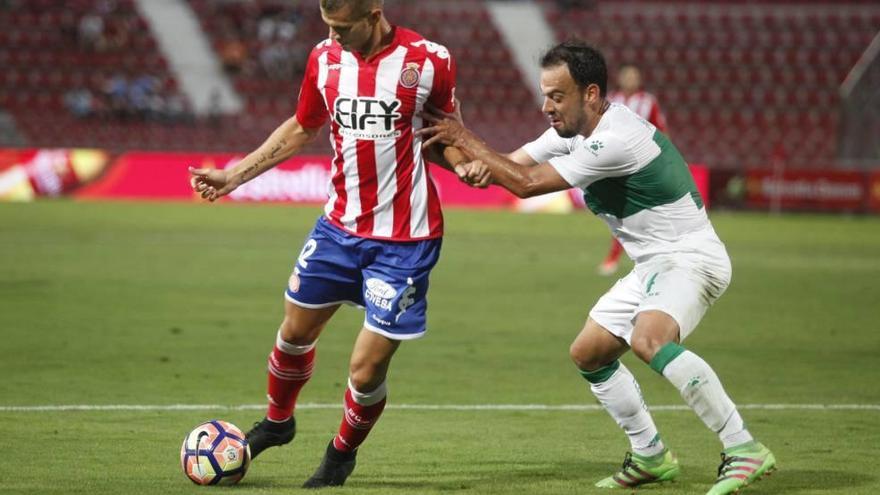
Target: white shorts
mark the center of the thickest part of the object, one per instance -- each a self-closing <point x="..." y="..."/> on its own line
<point x="682" y="285"/>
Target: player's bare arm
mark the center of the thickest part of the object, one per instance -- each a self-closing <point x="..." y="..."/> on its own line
<point x="516" y="175"/>
<point x="287" y="140"/>
<point x="453" y="159"/>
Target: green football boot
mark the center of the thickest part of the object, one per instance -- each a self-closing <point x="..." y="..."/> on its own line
<point x="638" y="470"/>
<point x="742" y="465"/>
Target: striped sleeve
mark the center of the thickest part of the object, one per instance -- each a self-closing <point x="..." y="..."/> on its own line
<point x="311" y="110"/>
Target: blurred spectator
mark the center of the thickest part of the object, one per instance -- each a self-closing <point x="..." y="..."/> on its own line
<point x="566" y="5"/>
<point x="142" y="93"/>
<point x="79" y="102"/>
<point x="630" y="93"/>
<point x="214" y="107"/>
<point x="117" y="33"/>
<point x="233" y="54"/>
<point x="177" y="108"/>
<point x="276" y="61"/>
<point x="91" y="32"/>
<point x="115" y="91"/>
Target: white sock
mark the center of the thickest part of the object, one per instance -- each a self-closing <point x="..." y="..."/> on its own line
<point x="368" y="398"/>
<point x="702" y="390"/>
<point x="621" y="396"/>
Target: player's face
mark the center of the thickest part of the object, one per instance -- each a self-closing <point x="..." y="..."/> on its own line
<point x="564" y="101"/>
<point x="349" y="29"/>
<point x="629" y="80"/>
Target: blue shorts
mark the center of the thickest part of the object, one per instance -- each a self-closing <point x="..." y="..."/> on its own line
<point x="388" y="279"/>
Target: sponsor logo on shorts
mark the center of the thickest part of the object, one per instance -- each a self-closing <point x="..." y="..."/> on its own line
<point x="407" y="299"/>
<point x="380" y="321"/>
<point x="651" y="282"/>
<point x="380" y="293"/>
<point x="293" y="282"/>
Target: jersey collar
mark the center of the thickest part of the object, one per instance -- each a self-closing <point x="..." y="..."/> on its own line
<point x="395" y="41"/>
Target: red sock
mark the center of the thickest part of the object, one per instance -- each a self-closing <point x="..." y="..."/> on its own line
<point x="288" y="373"/>
<point x="614" y="252"/>
<point x="357" y="421"/>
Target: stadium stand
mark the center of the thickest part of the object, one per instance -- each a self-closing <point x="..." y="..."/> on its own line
<point x="741" y="82"/>
<point x="86" y="73"/>
<point x="488" y="81"/>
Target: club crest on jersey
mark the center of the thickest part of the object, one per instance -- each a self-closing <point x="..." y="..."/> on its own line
<point x="409" y="77"/>
<point x="367" y="118"/>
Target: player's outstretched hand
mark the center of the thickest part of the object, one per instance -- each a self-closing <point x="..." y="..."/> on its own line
<point x="474" y="174"/>
<point x="445" y="127"/>
<point x="211" y="183"/>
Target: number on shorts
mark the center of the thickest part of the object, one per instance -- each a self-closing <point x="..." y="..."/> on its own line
<point x="308" y="250"/>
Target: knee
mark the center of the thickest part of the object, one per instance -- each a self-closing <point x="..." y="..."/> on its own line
<point x="653" y="330"/>
<point x="365" y="376"/>
<point x="645" y="346"/>
<point x="293" y="333"/>
<point x="585" y="357"/>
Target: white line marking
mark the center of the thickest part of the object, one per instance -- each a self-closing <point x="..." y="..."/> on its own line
<point x="419" y="407"/>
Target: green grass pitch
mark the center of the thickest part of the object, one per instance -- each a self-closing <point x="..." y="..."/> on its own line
<point x="162" y="304"/>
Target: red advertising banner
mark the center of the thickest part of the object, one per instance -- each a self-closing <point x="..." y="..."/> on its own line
<point x="304" y="180"/>
<point x="874" y="191"/>
<point x="27" y="174"/>
<point x="814" y="190"/>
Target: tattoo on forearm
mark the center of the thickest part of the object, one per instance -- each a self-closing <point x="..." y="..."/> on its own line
<point x="255" y="169"/>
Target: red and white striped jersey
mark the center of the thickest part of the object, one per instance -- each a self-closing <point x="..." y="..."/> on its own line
<point x="644" y="105"/>
<point x="380" y="184"/>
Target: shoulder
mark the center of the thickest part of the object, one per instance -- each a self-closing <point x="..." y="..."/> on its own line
<point x="437" y="53"/>
<point x="599" y="142"/>
<point x="619" y="118"/>
<point x="324" y="46"/>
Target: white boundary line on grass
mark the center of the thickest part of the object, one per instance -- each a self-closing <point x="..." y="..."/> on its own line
<point x="418" y="407"/>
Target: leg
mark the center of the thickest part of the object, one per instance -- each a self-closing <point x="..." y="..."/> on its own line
<point x="365" y="397"/>
<point x="595" y="352"/>
<point x="290" y="367"/>
<point x="744" y="460"/>
<point x="655" y="341"/>
<point x="609" y="265"/>
<point x="364" y="403"/>
<point x="292" y="359"/>
<point x="394" y="295"/>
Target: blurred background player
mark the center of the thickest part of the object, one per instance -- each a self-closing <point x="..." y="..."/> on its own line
<point x="381" y="232"/>
<point x="636" y="180"/>
<point x="630" y="93"/>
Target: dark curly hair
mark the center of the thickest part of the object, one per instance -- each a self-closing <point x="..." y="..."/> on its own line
<point x="585" y="63"/>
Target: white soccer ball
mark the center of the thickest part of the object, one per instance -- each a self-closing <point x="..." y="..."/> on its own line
<point x="215" y="453"/>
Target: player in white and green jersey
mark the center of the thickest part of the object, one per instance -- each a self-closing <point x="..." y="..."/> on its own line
<point x="635" y="179"/>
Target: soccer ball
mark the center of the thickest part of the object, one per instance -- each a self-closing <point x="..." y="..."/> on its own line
<point x="215" y="453"/>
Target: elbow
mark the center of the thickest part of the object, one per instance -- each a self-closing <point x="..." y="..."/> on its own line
<point x="297" y="132"/>
<point x="310" y="135"/>
<point x="526" y="189"/>
<point x="520" y="193"/>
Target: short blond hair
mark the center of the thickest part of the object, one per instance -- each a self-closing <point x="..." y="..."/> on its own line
<point x="359" y="7"/>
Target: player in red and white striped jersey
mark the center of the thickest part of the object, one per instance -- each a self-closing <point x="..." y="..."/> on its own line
<point x="380" y="187"/>
<point x="644" y="104"/>
<point x="630" y="93"/>
<point x="381" y="230"/>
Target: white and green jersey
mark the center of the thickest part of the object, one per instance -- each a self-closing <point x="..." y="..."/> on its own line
<point x="635" y="180"/>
